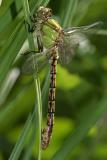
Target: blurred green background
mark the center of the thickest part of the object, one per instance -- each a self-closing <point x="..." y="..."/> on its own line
<point x="81" y="96"/>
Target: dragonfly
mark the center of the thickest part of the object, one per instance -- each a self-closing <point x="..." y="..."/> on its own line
<point x="58" y="45"/>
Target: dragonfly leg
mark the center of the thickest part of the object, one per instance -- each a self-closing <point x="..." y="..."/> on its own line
<point x="28" y="27"/>
<point x="40" y="47"/>
<point x="33" y="18"/>
<point x="39" y="43"/>
<point x="29" y="52"/>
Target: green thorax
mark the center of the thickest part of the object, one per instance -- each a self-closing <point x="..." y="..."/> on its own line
<point x="49" y="34"/>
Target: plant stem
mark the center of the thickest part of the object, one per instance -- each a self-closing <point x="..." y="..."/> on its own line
<point x="35" y="75"/>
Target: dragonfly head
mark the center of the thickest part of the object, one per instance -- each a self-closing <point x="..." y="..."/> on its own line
<point x="44" y="13"/>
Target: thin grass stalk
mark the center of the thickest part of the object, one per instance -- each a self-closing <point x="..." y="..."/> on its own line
<point x="21" y="141"/>
<point x="15" y="154"/>
<point x="71" y="9"/>
<point x="35" y="75"/>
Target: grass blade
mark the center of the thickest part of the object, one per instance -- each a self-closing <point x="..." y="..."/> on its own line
<point x="8" y="84"/>
<point x="82" y="11"/>
<point x="21" y="141"/>
<point x="71" y="9"/>
<point x="5" y="6"/>
<point x="30" y="145"/>
<point x="45" y="2"/>
<point x="13" y="110"/>
<point x="32" y="141"/>
<point x="36" y="78"/>
<point x="10" y="50"/>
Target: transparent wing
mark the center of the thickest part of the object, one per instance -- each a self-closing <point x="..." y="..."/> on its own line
<point x="70" y="45"/>
<point x="74" y="38"/>
<point x="29" y="65"/>
<point x="66" y="50"/>
<point x="83" y="29"/>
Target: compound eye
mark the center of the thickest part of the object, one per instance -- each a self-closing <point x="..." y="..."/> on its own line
<point x="50" y="10"/>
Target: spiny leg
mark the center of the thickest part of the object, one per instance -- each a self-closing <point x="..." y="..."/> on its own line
<point x="40" y="47"/>
<point x="28" y="26"/>
<point x="40" y="43"/>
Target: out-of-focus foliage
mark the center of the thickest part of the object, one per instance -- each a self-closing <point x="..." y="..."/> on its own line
<point x="81" y="99"/>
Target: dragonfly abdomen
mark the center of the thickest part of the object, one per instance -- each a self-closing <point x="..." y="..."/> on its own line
<point x="47" y="132"/>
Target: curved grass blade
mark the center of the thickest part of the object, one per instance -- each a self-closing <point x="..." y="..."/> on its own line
<point x="9" y="29"/>
<point x="10" y="50"/>
<point x="13" y="110"/>
<point x="21" y="141"/>
<point x="28" y="153"/>
<point x="35" y="75"/>
<point x="30" y="145"/>
<point x="8" y="84"/>
<point x="5" y="6"/>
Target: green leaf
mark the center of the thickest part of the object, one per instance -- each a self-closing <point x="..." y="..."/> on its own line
<point x="10" y="50"/>
<point x="20" y="143"/>
<point x="5" y="6"/>
<point x="16" y="108"/>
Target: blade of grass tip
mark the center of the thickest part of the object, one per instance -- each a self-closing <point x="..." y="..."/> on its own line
<point x="21" y="141"/>
<point x="70" y="12"/>
<point x="87" y="121"/>
<point x="36" y="78"/>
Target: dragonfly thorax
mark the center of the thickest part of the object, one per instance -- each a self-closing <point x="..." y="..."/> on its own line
<point x="50" y="36"/>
